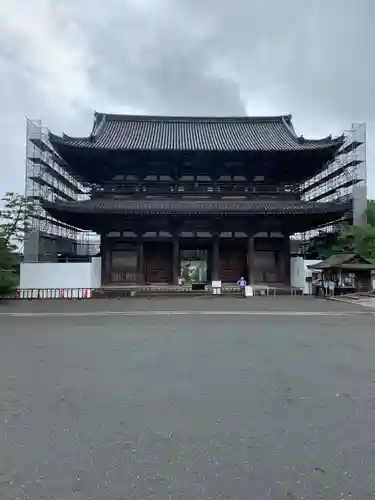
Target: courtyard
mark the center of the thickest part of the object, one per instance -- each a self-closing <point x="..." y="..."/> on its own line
<point x="187" y="398"/>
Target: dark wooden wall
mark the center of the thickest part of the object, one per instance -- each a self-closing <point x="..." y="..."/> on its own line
<point x="232" y="261"/>
<point x="123" y="266"/>
<point x="141" y="262"/>
<point x="269" y="261"/>
<point x="158" y="262"/>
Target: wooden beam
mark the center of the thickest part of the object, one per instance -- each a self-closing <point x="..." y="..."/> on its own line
<point x="286" y="258"/>
<point x="176" y="259"/>
<point x="215" y="257"/>
<point x="105" y="256"/>
<point x="140" y="262"/>
<point x="250" y="258"/>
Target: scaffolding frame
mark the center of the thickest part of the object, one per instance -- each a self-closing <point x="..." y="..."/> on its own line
<point x="343" y="179"/>
<point x="47" y="177"/>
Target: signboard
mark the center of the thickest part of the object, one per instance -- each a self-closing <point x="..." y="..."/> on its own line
<point x="216" y="287"/>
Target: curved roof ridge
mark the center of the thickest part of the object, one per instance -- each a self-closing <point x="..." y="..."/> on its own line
<point x="177" y="118"/>
<point x="71" y="138"/>
<point x="97" y="129"/>
<point x="324" y="139"/>
<point x="302" y="140"/>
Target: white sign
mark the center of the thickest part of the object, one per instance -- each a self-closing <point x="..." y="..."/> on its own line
<point x="216" y="287"/>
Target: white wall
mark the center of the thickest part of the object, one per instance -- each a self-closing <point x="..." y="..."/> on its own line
<point x="299" y="271"/>
<point x="41" y="275"/>
<point x="297" y="274"/>
<point x="96" y="272"/>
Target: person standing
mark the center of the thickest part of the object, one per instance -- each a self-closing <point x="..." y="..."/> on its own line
<point x="331" y="287"/>
<point x="242" y="283"/>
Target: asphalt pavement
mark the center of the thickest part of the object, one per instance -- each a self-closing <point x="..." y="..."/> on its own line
<point x="187" y="399"/>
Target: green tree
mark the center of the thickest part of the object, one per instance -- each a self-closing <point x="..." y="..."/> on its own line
<point x="356" y="239"/>
<point x="371" y="212"/>
<point x="15" y="217"/>
<point x="8" y="279"/>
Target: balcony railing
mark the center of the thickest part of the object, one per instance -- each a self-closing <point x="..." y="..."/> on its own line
<point x="190" y="188"/>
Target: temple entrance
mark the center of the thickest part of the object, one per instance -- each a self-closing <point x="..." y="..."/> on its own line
<point x="193" y="266"/>
<point x="232" y="263"/>
<point x="266" y="268"/>
<point x="123" y="266"/>
<point x="194" y="261"/>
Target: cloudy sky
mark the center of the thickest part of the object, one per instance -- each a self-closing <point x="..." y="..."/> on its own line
<point x="62" y="59"/>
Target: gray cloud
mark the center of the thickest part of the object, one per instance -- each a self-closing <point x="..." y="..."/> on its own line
<point x="61" y="60"/>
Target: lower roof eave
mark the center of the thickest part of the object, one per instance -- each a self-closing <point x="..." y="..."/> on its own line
<point x="195" y="207"/>
<point x="96" y="222"/>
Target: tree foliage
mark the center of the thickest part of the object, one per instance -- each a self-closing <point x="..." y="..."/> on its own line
<point x="15" y="218"/>
<point x="358" y="239"/>
<point x="8" y="279"/>
<point x="371" y="213"/>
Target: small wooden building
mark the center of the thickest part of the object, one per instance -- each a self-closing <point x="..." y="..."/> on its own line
<point x="350" y="271"/>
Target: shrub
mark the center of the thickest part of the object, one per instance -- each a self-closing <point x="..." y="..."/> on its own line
<point x="8" y="282"/>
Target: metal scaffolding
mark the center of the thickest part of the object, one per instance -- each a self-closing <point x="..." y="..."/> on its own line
<point x="48" y="178"/>
<point x="343" y="179"/>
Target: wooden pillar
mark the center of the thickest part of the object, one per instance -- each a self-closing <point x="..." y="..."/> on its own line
<point x="176" y="259"/>
<point x="215" y="258"/>
<point x="140" y="262"/>
<point x="105" y="256"/>
<point x="286" y="258"/>
<point x="250" y="259"/>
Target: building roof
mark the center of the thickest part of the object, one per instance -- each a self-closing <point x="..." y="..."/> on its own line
<point x="349" y="261"/>
<point x="165" y="133"/>
<point x="200" y="207"/>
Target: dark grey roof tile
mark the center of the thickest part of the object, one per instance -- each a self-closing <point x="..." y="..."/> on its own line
<point x="203" y="207"/>
<point x="195" y="134"/>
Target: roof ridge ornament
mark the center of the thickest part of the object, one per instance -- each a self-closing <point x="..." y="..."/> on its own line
<point x="288" y="124"/>
<point x="99" y="124"/>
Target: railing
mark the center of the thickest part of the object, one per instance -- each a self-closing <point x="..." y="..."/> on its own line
<point x="116" y="291"/>
<point x="170" y="189"/>
<point x="50" y="293"/>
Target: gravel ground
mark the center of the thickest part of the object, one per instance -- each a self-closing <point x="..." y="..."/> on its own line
<point x="277" y="405"/>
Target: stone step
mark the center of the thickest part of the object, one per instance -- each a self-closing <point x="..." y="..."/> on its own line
<point x="170" y="291"/>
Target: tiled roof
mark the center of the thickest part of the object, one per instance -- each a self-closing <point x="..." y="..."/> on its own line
<point x="345" y="261"/>
<point x="163" y="133"/>
<point x="198" y="207"/>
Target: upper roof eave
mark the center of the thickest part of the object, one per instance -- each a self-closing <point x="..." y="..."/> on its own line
<point x="175" y="133"/>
